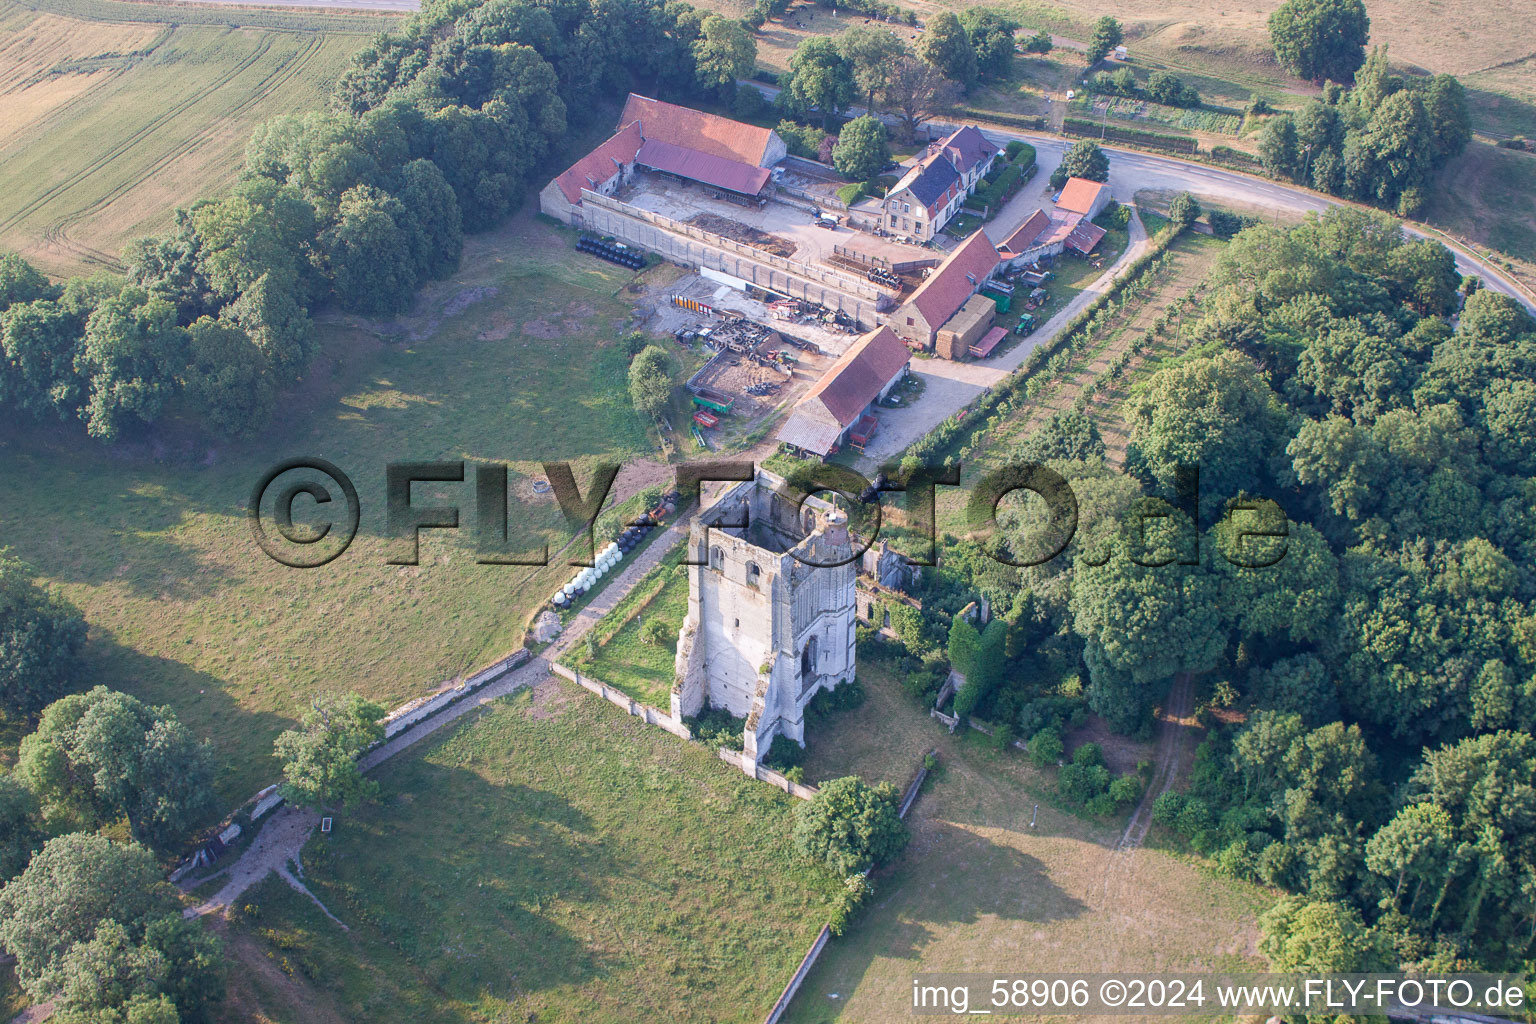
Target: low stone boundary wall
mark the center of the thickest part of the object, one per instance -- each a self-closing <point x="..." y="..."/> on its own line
<point x="776" y="779"/>
<point x="625" y="701"/>
<point x="408" y="714"/>
<point x="788" y="995"/>
<point x="910" y="797"/>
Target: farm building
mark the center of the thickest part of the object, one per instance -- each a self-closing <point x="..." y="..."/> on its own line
<point x="838" y="408"/>
<point x="933" y="191"/>
<point x="947" y="288"/>
<point x="1071" y="229"/>
<point x="668" y="139"/>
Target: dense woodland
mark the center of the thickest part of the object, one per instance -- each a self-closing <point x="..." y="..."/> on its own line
<point x="1369" y="695"/>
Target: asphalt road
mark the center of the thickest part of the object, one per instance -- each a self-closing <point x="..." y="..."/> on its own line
<point x="1133" y="171"/>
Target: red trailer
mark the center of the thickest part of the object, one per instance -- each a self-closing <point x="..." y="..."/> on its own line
<point x="705" y="419"/>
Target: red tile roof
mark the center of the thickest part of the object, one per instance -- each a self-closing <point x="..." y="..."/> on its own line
<point x="1079" y="195"/>
<point x="1085" y="236"/>
<point x="845" y="391"/>
<point x="734" y="175"/>
<point x="600" y="164"/>
<point x="694" y="129"/>
<point x="955" y="280"/>
<point x="1027" y="232"/>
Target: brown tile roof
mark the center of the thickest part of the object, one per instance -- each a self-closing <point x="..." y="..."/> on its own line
<point x="1085" y="236"/>
<point x="1079" y="195"/>
<point x="965" y="147"/>
<point x="955" y="280"/>
<point x="694" y="129"/>
<point x="718" y="171"/>
<point x="845" y="391"/>
<point x="600" y="164"/>
<point x="1027" y="232"/>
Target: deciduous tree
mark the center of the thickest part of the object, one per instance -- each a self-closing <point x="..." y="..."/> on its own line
<point x="850" y="826"/>
<point x="1318" y="39"/>
<point x="320" y="758"/>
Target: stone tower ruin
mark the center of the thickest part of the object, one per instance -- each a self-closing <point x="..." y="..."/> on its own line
<point x="771" y="610"/>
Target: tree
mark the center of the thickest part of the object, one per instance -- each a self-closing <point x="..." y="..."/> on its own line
<point x="724" y="52"/>
<point x="1217" y="413"/>
<point x="102" y="756"/>
<point x="94" y="928"/>
<point x="1318" y="39"/>
<point x="1279" y="150"/>
<point x="1450" y="122"/>
<point x="1141" y="624"/>
<point x="861" y="151"/>
<point x="320" y="758"/>
<point x="946" y="47"/>
<point x="1040" y="42"/>
<point x="40" y="640"/>
<point x="820" y="79"/>
<point x="1414" y="848"/>
<point x="39" y="342"/>
<point x="1485" y="791"/>
<point x="916" y="91"/>
<point x="432" y="220"/>
<point x="1107" y="35"/>
<point x="229" y="381"/>
<point x="1066" y="435"/>
<point x="73" y="884"/>
<point x="991" y="36"/>
<point x="1320" y="936"/>
<point x="371" y="253"/>
<point x="650" y="381"/>
<point x="1083" y="159"/>
<point x="1165" y="87"/>
<point x="130" y="358"/>
<point x="964" y="644"/>
<point x="850" y="826"/>
<point x="20" y="836"/>
<point x="20" y="281"/>
<point x="872" y="53"/>
<point x="1184" y="210"/>
<point x="1392" y="154"/>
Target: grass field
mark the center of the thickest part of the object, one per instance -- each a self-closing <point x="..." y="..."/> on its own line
<point x="108" y="122"/>
<point x="979" y="889"/>
<point x="625" y="661"/>
<point x="515" y="358"/>
<point x="554" y="860"/>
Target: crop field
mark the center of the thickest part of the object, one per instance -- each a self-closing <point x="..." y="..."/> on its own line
<point x="1213" y="121"/>
<point x="107" y="125"/>
<point x="552" y="860"/>
<point x="624" y="659"/>
<point x="981" y="889"/>
<point x="516" y="358"/>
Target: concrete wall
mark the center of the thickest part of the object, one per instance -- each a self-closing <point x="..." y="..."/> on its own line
<point x="693" y="247"/>
<point x="651" y="715"/>
<point x="408" y="714"/>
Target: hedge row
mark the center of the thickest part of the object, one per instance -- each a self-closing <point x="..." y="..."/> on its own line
<point x="1152" y="140"/>
<point x="946" y="437"/>
<point x="1235" y="157"/>
<point x="1036" y="124"/>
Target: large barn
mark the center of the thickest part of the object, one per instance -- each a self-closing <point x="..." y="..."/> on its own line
<point x="839" y="407"/>
<point x="665" y="138"/>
